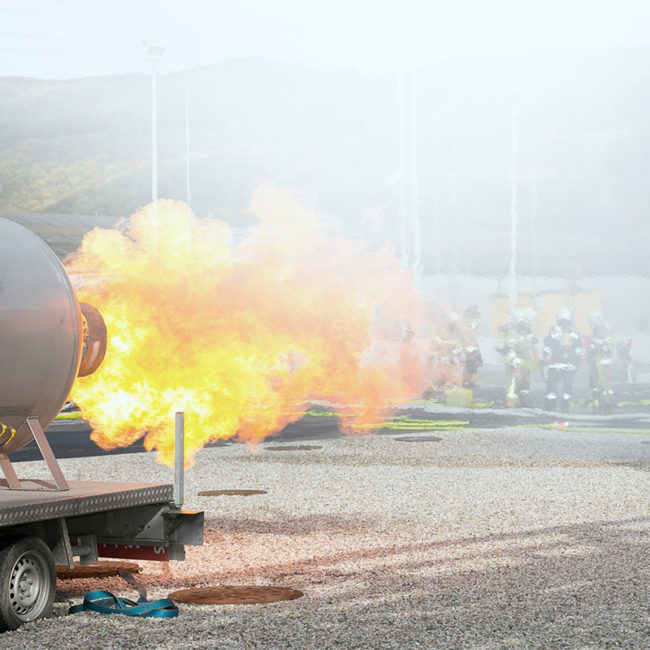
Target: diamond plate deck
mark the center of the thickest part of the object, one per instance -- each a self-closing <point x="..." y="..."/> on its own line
<point x="83" y="497"/>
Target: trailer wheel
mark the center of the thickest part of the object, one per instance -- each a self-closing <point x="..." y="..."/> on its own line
<point x="27" y="582"/>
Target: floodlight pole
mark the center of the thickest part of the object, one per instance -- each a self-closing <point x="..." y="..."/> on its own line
<point x="154" y="133"/>
<point x="154" y="53"/>
<point x="187" y="137"/>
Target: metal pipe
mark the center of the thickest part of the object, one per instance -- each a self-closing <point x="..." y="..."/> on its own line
<point x="179" y="458"/>
<point x="153" y="53"/>
<point x="187" y="137"/>
<point x="154" y="150"/>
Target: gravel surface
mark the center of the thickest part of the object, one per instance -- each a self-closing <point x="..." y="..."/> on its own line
<point x="520" y="537"/>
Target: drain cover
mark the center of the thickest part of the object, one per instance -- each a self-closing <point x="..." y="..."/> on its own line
<point x="99" y="570"/>
<point x="234" y="595"/>
<point x="230" y="493"/>
<point x="418" y="439"/>
<point x="292" y="448"/>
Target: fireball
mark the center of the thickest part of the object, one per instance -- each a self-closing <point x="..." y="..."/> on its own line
<point x="242" y="336"/>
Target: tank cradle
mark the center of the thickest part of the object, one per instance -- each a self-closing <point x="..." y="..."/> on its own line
<point x="34" y="426"/>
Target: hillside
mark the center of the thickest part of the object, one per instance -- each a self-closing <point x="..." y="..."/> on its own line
<point x="582" y="142"/>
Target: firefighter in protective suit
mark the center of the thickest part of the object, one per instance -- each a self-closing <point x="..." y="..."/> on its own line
<point x="471" y="355"/>
<point x="561" y="356"/>
<point x="447" y="354"/>
<point x="518" y="350"/>
<point x="600" y="354"/>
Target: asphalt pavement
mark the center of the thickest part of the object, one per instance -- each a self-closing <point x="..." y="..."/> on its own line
<point x="70" y="438"/>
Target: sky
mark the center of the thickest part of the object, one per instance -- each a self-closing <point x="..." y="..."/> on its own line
<point x="64" y="39"/>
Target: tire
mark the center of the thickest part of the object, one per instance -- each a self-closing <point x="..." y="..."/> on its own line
<point x="27" y="582"/>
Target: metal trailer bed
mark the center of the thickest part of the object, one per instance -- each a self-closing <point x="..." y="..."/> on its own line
<point x="46" y="523"/>
<point x="101" y="519"/>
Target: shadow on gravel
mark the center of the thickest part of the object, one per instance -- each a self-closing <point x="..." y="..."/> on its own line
<point x="583" y="585"/>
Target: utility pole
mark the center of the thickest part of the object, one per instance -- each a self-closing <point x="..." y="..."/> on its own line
<point x="153" y="53"/>
<point x="187" y="137"/>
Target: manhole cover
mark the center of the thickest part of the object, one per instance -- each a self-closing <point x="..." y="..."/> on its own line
<point x="418" y="439"/>
<point x="230" y="493"/>
<point x="292" y="448"/>
<point x="234" y="595"/>
<point x="99" y="570"/>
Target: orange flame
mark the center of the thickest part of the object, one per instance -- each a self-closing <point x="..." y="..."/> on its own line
<point x="242" y="337"/>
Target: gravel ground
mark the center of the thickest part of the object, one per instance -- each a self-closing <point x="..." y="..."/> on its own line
<point x="486" y="539"/>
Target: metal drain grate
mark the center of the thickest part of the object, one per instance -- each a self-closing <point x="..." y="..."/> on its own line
<point x="230" y="493"/>
<point x="418" y="439"/>
<point x="293" y="448"/>
<point x="229" y="595"/>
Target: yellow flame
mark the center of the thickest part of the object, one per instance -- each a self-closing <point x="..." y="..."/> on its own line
<point x="242" y="337"/>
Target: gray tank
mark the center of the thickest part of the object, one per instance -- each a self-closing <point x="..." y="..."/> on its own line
<point x="44" y="337"/>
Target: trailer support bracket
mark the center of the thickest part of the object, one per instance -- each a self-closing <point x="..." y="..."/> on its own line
<point x="48" y="456"/>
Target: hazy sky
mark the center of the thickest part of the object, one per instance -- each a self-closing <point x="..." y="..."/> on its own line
<point x="75" y="38"/>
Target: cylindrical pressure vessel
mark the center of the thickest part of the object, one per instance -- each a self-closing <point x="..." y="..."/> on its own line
<point x="41" y="334"/>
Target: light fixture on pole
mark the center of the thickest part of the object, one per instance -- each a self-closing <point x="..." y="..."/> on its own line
<point x="153" y="52"/>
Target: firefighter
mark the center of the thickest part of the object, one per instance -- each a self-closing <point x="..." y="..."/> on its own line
<point x="471" y="354"/>
<point x="518" y="350"/>
<point x="624" y="349"/>
<point x="561" y="356"/>
<point x="447" y="354"/>
<point x="600" y="355"/>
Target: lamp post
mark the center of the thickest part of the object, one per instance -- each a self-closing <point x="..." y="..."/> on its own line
<point x="187" y="137"/>
<point x="153" y="52"/>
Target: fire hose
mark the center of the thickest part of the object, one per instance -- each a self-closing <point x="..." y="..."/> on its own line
<point x="105" y="602"/>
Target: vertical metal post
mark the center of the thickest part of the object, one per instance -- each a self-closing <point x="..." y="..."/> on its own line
<point x="415" y="182"/>
<point x="47" y="453"/>
<point x="187" y="137"/>
<point x="154" y="137"/>
<point x="179" y="458"/>
<point x="9" y="472"/>
<point x="154" y="53"/>
<point x="513" y="296"/>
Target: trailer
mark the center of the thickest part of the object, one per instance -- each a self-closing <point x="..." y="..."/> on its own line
<point x="47" y="339"/>
<point x="42" y="527"/>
